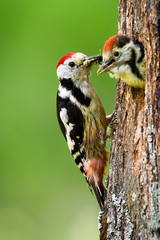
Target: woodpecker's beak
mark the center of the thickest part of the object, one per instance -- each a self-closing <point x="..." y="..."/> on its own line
<point x="106" y="65"/>
<point x="88" y="61"/>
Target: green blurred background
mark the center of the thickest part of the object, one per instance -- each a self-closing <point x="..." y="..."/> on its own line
<point x="42" y="193"/>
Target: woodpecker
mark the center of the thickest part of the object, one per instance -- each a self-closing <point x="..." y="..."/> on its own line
<point x="82" y="119"/>
<point x="124" y="58"/>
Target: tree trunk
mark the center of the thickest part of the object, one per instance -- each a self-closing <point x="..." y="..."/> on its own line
<point x="132" y="204"/>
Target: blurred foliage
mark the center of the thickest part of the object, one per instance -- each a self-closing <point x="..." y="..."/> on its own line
<point x="43" y="195"/>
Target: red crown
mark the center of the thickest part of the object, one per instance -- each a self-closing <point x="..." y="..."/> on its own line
<point x="109" y="44"/>
<point x="69" y="55"/>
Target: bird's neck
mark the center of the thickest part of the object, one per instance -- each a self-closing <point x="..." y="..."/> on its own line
<point x="82" y="83"/>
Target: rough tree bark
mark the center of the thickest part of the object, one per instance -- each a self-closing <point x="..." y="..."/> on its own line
<point x="132" y="204"/>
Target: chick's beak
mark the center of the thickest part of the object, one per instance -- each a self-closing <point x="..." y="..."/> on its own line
<point x="88" y="61"/>
<point x="105" y="66"/>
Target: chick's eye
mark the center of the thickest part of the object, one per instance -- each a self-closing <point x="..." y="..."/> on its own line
<point x="116" y="54"/>
<point x="71" y="64"/>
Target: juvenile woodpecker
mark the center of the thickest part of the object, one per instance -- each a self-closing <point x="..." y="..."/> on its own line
<point x="124" y="58"/>
<point x="82" y="119"/>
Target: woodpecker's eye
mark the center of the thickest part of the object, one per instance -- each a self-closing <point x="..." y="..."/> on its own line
<point x="71" y="64"/>
<point x="116" y="54"/>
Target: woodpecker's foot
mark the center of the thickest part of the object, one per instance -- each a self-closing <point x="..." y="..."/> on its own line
<point x="111" y="121"/>
<point x="110" y="118"/>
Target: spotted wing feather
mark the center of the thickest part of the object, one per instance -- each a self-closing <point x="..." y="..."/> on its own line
<point x="71" y="122"/>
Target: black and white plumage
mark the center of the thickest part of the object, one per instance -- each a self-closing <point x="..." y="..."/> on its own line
<point x="124" y="58"/>
<point x="82" y="119"/>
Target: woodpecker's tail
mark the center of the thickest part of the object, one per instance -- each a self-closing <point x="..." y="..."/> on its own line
<point x="99" y="193"/>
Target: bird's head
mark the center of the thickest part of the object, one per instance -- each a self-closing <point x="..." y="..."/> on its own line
<point x="124" y="58"/>
<point x="76" y="65"/>
<point x="116" y="52"/>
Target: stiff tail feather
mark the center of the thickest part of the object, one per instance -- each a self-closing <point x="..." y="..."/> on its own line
<point x="99" y="193"/>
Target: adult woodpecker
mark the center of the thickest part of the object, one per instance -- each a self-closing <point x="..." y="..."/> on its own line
<point x="82" y="119"/>
<point x="124" y="58"/>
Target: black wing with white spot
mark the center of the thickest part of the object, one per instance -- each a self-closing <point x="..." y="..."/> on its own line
<point x="71" y="122"/>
